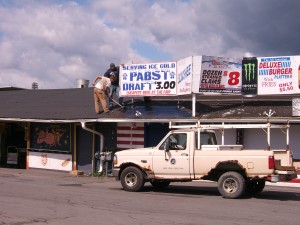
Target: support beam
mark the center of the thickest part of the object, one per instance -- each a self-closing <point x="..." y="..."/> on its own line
<point x="194" y="105"/>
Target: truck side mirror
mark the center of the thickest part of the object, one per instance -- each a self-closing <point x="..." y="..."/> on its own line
<point x="167" y="145"/>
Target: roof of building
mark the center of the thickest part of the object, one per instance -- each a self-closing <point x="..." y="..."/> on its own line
<point x="10" y="88"/>
<point x="77" y="104"/>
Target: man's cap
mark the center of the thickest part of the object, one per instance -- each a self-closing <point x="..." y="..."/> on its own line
<point x="112" y="65"/>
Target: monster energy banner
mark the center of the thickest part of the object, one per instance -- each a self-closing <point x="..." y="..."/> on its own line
<point x="249" y="76"/>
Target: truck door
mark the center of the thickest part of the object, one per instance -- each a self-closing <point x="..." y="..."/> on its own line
<point x="172" y="158"/>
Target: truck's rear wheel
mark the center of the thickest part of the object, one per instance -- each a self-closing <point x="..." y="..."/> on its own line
<point x="231" y="185"/>
<point x="160" y="183"/>
<point x="132" y="179"/>
<point x="255" y="186"/>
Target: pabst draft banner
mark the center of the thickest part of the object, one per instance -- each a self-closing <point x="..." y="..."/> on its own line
<point x="151" y="79"/>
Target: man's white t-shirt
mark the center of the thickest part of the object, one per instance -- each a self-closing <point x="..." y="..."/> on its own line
<point x="102" y="83"/>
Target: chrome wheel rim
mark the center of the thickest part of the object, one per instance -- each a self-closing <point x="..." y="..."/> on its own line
<point x="230" y="185"/>
<point x="131" y="179"/>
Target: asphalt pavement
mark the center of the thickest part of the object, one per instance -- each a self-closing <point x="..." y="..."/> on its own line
<point x="53" y="173"/>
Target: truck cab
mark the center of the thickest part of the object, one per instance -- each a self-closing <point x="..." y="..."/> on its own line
<point x="175" y="153"/>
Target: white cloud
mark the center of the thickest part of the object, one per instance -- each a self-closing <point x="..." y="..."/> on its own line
<point x="56" y="42"/>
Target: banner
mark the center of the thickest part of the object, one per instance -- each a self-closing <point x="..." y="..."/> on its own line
<point x="296" y="68"/>
<point x="220" y="75"/>
<point x="277" y="75"/>
<point x="197" y="62"/>
<point x="52" y="161"/>
<point x="50" y="137"/>
<point x="211" y="74"/>
<point x="249" y="76"/>
<point x="184" y="77"/>
<point x="151" y="79"/>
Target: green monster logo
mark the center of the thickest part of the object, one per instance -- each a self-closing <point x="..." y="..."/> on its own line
<point x="249" y="70"/>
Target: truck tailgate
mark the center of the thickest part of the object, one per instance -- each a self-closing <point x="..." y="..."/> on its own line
<point x="283" y="159"/>
<point x="284" y="164"/>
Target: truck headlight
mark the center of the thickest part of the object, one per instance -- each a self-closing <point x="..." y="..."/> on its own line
<point x="115" y="160"/>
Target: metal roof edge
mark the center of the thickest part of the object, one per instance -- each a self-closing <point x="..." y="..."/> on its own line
<point x="96" y="120"/>
<point x="165" y="120"/>
<point x="253" y="120"/>
<point x="44" y="120"/>
<point x="136" y="120"/>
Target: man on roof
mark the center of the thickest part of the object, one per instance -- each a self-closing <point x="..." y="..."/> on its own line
<point x="113" y="74"/>
<point x="101" y="88"/>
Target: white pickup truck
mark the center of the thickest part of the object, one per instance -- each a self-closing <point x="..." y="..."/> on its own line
<point x="192" y="153"/>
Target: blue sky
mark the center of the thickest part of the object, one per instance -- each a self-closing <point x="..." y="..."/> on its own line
<point x="54" y="43"/>
<point x="150" y="51"/>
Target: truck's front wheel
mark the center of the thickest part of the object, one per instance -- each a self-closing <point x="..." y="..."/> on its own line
<point x="132" y="179"/>
<point x="231" y="185"/>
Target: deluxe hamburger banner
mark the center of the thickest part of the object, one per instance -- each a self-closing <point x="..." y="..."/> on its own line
<point x="278" y="75"/>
